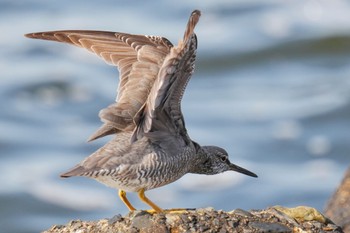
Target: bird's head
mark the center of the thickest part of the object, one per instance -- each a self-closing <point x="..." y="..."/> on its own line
<point x="217" y="161"/>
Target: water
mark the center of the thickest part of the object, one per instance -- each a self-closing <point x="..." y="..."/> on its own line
<point x="271" y="86"/>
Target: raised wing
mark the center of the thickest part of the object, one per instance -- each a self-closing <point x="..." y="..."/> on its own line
<point x="161" y="114"/>
<point x="138" y="59"/>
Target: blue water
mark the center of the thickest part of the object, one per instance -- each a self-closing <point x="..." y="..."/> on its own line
<point x="272" y="86"/>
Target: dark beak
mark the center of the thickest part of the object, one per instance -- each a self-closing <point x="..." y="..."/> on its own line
<point x="242" y="170"/>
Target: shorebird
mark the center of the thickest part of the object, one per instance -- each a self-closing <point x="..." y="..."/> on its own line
<point x="151" y="147"/>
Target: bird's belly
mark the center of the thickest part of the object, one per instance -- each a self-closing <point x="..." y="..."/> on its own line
<point x="136" y="177"/>
<point x="114" y="182"/>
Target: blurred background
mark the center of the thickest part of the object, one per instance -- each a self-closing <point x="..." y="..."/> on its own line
<point x="272" y="86"/>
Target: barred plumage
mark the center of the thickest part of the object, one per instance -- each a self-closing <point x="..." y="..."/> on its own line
<point x="151" y="147"/>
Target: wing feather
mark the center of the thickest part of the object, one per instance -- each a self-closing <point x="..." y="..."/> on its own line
<point x="161" y="113"/>
<point x="138" y="59"/>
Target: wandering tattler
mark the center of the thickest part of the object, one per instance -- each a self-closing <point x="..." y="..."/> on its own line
<point x="151" y="147"/>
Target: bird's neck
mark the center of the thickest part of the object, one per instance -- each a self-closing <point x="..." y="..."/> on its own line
<point x="200" y="161"/>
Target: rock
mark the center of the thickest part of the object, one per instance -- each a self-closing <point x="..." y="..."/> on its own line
<point x="302" y="213"/>
<point x="338" y="207"/>
<point x="274" y="219"/>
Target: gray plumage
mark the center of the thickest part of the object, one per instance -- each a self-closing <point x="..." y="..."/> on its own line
<point x="151" y="147"/>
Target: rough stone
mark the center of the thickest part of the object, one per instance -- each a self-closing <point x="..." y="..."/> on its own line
<point x="338" y="207"/>
<point x="208" y="220"/>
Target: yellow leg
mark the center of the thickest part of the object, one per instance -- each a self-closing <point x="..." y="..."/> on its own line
<point x="143" y="198"/>
<point x="122" y="196"/>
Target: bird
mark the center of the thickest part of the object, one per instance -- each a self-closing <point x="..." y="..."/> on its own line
<point x="150" y="146"/>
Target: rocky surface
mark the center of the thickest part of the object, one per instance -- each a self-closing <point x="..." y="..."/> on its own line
<point x="274" y="219"/>
<point x="338" y="208"/>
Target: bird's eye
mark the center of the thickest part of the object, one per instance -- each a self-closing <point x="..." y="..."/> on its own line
<point x="224" y="159"/>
